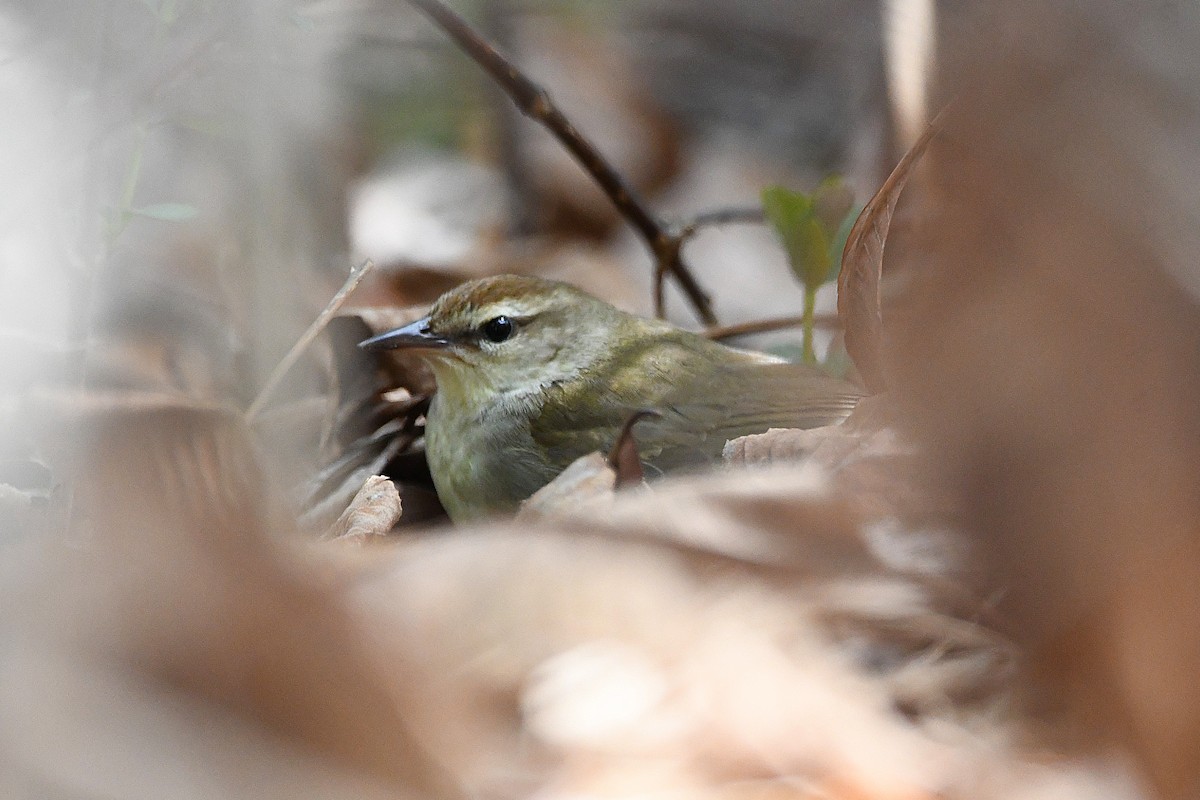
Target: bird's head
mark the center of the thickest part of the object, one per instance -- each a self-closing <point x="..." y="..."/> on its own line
<point x="509" y="335"/>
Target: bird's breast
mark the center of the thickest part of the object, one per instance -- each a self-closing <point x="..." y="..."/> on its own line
<point x="482" y="459"/>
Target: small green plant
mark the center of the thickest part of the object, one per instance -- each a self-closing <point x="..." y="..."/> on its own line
<point x="813" y="230"/>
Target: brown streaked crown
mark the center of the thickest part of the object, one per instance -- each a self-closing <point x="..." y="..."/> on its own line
<point x="466" y="303"/>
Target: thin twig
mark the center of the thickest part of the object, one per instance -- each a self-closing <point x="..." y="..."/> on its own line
<point x="535" y="103"/>
<point x="355" y="278"/>
<point x="768" y="325"/>
<point x="671" y="245"/>
<point x="720" y="216"/>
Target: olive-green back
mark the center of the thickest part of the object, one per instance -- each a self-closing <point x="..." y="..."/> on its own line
<point x="703" y="396"/>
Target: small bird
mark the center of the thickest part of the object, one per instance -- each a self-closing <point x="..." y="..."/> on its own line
<point x="532" y="374"/>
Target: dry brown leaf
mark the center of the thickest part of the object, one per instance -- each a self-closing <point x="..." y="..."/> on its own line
<point x="778" y="445"/>
<point x="723" y="631"/>
<point x="694" y="673"/>
<point x="1043" y="354"/>
<point x="587" y="482"/>
<point x="400" y="369"/>
<point x="867" y="464"/>
<point x="181" y="593"/>
<point x="374" y="511"/>
<point x="858" y="297"/>
<point x="624" y="457"/>
<point x="373" y="424"/>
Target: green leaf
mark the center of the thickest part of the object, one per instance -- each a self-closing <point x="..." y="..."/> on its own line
<point x="813" y="230"/>
<point x="832" y="202"/>
<point x="838" y="245"/>
<point x="804" y="238"/>
<point x="814" y="262"/>
<point x="167" y="212"/>
<point x="784" y="207"/>
<point x="787" y="211"/>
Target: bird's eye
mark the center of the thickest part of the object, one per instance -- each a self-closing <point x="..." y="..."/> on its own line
<point x="498" y="329"/>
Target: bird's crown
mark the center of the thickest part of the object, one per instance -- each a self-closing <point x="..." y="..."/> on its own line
<point x="467" y="309"/>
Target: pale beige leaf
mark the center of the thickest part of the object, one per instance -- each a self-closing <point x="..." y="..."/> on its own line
<point x="589" y="481"/>
<point x="373" y="512"/>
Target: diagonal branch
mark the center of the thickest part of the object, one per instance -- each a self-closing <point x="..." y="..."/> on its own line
<point x="535" y="103"/>
<point x="720" y="216"/>
<point x="289" y="360"/>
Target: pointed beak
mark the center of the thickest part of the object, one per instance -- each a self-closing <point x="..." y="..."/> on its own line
<point x="414" y="336"/>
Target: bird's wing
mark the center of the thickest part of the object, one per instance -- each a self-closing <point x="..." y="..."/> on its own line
<point x="697" y="416"/>
<point x="746" y="399"/>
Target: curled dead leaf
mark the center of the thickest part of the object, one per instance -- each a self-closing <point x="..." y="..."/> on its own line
<point x="868" y="465"/>
<point x="624" y="456"/>
<point x="859" y="299"/>
<point x="373" y="511"/>
<point x="588" y="481"/>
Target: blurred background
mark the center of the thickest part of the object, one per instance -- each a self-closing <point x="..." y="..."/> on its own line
<point x="984" y="587"/>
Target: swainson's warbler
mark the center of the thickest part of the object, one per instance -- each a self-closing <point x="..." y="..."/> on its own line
<point x="532" y="374"/>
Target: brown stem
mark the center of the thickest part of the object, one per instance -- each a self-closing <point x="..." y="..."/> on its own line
<point x="289" y="359"/>
<point x="623" y="458"/>
<point x="720" y="216"/>
<point x="535" y="102"/>
<point x="768" y="325"/>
